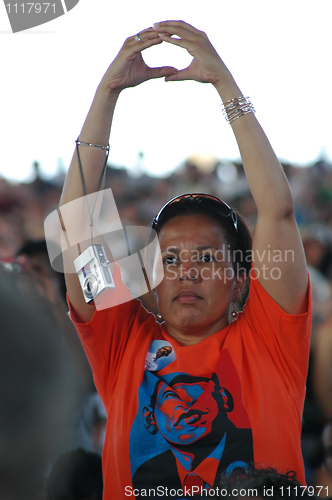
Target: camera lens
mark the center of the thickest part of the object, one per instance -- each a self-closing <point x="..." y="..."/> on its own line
<point x="90" y="287"/>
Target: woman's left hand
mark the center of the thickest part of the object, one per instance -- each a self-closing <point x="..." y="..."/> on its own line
<point x="207" y="66"/>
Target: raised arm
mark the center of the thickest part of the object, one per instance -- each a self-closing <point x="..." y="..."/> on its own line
<point x="277" y="248"/>
<point x="127" y="70"/>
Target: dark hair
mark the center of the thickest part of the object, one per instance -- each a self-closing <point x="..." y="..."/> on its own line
<point x="257" y="481"/>
<point x="32" y="248"/>
<point x="239" y="240"/>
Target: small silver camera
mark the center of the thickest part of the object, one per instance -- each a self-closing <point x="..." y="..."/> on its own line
<point x="93" y="270"/>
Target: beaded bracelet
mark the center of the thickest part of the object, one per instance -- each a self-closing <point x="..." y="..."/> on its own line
<point x="80" y="143"/>
<point x="237" y="107"/>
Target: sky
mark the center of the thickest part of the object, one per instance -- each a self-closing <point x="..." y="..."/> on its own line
<point x="278" y="52"/>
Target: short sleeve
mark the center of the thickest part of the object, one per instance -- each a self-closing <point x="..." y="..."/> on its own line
<point x="284" y="337"/>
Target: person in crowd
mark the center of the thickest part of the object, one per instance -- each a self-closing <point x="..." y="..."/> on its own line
<point x="327" y="445"/>
<point x="264" y="483"/>
<point x="258" y="355"/>
<point x="321" y="476"/>
<point x="85" y="424"/>
<point x="33" y="257"/>
<point x="76" y="475"/>
<point x="317" y="241"/>
<point x="316" y="238"/>
<point x="35" y="392"/>
<point x="322" y="369"/>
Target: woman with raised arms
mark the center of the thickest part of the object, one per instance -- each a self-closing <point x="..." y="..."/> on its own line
<point x="208" y="389"/>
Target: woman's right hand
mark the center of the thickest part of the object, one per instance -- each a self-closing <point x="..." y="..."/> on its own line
<point x="129" y="69"/>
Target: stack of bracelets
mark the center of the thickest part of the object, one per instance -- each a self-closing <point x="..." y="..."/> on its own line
<point x="235" y="108"/>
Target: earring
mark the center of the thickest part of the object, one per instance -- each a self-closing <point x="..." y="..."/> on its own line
<point x="159" y="317"/>
<point x="234" y="312"/>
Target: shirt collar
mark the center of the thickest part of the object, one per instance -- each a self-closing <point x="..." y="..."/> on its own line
<point x="207" y="469"/>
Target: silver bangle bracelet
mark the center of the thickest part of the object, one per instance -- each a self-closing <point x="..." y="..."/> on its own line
<point x="237" y="107"/>
<point x="105" y="148"/>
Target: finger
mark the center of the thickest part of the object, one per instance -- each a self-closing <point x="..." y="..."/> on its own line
<point x="178" y="76"/>
<point x="183" y="30"/>
<point x="182" y="33"/>
<point x="142" y="45"/>
<point x="143" y="36"/>
<point x="135" y="46"/>
<point x="174" y="24"/>
<point x="140" y="39"/>
<point x="148" y="39"/>
<point x="183" y="37"/>
<point x="162" y="71"/>
<point x="180" y="42"/>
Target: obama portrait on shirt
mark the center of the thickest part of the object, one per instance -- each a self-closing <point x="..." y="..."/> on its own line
<point x="194" y="439"/>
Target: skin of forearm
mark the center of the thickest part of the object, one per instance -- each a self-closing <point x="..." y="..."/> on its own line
<point x="96" y="130"/>
<point x="266" y="178"/>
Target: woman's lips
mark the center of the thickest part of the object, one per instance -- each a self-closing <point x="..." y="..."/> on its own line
<point x="187" y="296"/>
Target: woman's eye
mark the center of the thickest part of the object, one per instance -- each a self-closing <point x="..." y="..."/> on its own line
<point x="171" y="259"/>
<point x="207" y="258"/>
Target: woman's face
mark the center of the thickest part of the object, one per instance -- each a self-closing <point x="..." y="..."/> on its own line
<point x="199" y="280"/>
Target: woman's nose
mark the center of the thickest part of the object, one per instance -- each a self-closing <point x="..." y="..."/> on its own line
<point x="188" y="271"/>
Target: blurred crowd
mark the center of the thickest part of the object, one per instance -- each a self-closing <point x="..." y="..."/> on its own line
<point x="35" y="290"/>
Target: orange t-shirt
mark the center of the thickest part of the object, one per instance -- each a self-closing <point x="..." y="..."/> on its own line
<point x="172" y="410"/>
